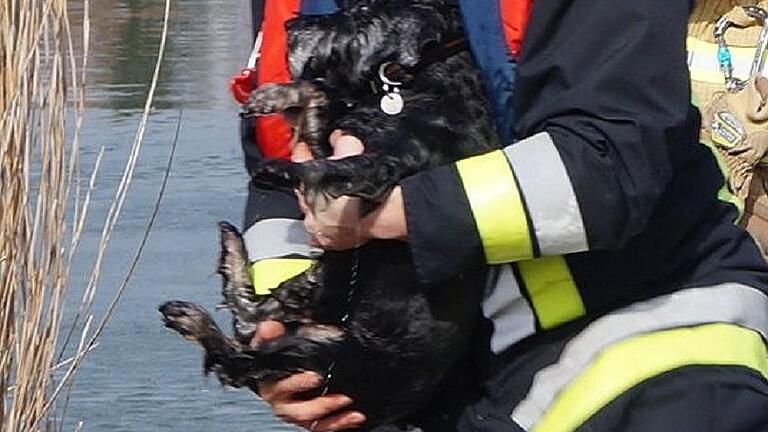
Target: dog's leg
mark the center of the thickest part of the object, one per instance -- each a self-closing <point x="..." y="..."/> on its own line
<point x="309" y="347"/>
<point x="289" y="302"/>
<point x="370" y="176"/>
<point x="277" y="174"/>
<point x="195" y="324"/>
<point x="237" y="291"/>
<point x="306" y="348"/>
<point x="302" y="103"/>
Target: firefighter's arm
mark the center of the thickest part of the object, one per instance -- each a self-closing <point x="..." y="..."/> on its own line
<point x="273" y="232"/>
<point x="604" y="112"/>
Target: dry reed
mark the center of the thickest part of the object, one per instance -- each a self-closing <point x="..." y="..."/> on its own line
<point x="42" y="206"/>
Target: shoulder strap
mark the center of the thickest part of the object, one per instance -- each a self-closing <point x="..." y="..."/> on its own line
<point x="495" y="30"/>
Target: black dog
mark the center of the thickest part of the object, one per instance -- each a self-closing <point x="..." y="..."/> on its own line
<point x="391" y="72"/>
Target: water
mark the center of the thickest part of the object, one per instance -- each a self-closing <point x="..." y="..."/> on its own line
<point x="142" y="377"/>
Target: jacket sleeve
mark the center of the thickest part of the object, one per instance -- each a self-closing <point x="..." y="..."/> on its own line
<point x="604" y="116"/>
<point x="274" y="235"/>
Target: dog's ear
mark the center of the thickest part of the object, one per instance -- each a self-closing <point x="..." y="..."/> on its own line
<point x="426" y="25"/>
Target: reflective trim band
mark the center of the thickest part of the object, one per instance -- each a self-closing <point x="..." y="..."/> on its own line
<point x="273" y="238"/>
<point x="728" y="303"/>
<point x="507" y="308"/>
<point x="549" y="195"/>
<point x="630" y="362"/>
<point x="704" y="65"/>
<point x="269" y="273"/>
<point x="553" y="292"/>
<point x="497" y="207"/>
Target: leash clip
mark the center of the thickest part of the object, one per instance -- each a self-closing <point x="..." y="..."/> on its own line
<point x="732" y="84"/>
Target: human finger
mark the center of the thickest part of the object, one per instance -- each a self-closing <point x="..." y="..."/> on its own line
<point x="336" y="239"/>
<point x="311" y="410"/>
<point x="345" y="145"/>
<point x="312" y="227"/>
<point x="338" y="422"/>
<point x="336" y="134"/>
<point x="303" y="205"/>
<point x="301" y="153"/>
<point x="282" y="391"/>
<point x="267" y="331"/>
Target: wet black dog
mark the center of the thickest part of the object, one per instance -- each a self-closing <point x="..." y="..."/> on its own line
<point x="394" y="74"/>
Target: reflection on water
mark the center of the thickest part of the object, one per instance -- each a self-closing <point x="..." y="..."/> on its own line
<point x="142" y="377"/>
<point x="208" y="40"/>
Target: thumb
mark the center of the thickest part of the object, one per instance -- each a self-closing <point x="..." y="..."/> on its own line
<point x="301" y="152"/>
<point x="266" y="331"/>
<point x="345" y="145"/>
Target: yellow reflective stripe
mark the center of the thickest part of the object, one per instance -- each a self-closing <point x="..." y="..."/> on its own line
<point x="632" y="361"/>
<point x="553" y="293"/>
<point x="497" y="207"/>
<point x="267" y="274"/>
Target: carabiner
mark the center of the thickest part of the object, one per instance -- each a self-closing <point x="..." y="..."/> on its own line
<point x="758" y="63"/>
<point x="724" y="58"/>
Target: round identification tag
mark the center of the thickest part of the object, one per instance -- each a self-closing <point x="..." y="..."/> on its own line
<point x="392" y="103"/>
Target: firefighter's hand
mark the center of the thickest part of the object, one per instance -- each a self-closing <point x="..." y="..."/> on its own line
<point x="336" y="224"/>
<point x="318" y="414"/>
<point x="333" y="224"/>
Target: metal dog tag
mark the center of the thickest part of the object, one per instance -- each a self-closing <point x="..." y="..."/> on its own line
<point x="392" y="103"/>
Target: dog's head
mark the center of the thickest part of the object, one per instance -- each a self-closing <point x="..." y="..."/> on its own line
<point x="345" y="49"/>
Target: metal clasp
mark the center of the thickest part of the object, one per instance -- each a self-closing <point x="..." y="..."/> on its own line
<point x="758" y="63"/>
<point x="725" y="60"/>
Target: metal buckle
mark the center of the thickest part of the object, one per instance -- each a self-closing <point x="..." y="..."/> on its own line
<point x="733" y="84"/>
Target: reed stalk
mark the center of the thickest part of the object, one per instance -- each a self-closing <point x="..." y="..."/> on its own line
<point x="43" y="207"/>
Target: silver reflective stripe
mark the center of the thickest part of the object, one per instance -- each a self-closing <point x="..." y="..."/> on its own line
<point x="273" y="238"/>
<point x="505" y="306"/>
<point x="730" y="303"/>
<point x="549" y="195"/>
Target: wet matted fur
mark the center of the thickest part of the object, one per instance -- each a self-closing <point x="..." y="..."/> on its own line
<point x="401" y="338"/>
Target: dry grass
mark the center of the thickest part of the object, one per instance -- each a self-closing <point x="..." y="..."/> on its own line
<point x="43" y="207"/>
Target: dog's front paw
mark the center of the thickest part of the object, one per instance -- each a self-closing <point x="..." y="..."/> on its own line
<point x="272" y="98"/>
<point x="191" y="321"/>
<point x="277" y="174"/>
<point x="360" y="176"/>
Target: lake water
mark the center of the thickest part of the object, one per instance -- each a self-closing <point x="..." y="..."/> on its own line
<point x="142" y="377"/>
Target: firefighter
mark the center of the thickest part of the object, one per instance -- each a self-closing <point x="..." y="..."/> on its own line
<point x="623" y="296"/>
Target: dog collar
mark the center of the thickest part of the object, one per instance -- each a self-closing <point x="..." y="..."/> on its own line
<point x="392" y="76"/>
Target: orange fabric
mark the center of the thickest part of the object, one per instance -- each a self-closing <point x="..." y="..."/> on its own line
<point x="514" y="17"/>
<point x="273" y="133"/>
